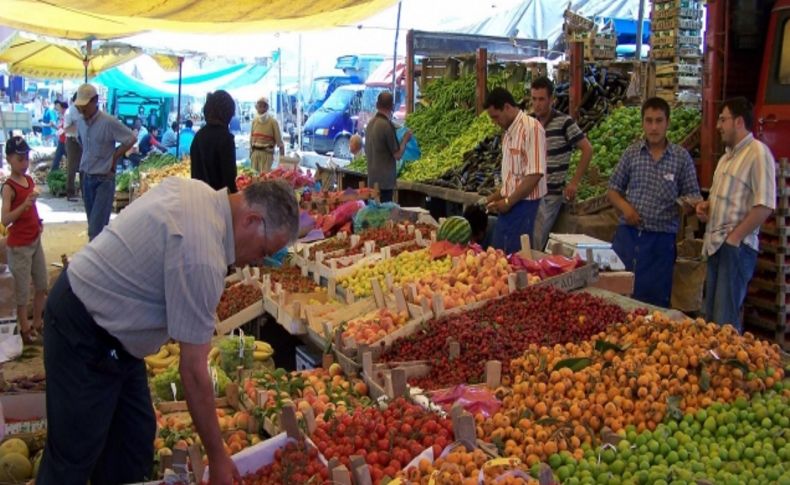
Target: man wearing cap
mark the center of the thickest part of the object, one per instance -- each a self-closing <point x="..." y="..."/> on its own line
<point x="264" y="136"/>
<point x="156" y="273"/>
<point x="100" y="133"/>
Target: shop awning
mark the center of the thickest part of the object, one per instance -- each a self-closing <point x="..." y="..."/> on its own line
<point x="36" y="57"/>
<point x="117" y="79"/>
<point x="108" y="19"/>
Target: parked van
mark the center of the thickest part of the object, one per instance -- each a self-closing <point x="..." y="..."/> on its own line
<point x="330" y="128"/>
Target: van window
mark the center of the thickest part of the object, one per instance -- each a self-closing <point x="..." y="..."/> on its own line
<point x="784" y="60"/>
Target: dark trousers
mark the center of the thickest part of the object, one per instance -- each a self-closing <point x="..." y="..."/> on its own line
<point x="100" y="419"/>
<point x="729" y="272"/>
<point x="386" y="195"/>
<point x="512" y="225"/>
<point x="74" y="155"/>
<point x="651" y="257"/>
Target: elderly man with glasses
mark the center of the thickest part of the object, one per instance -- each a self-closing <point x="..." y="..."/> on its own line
<point x="104" y="142"/>
<point x="155" y="273"/>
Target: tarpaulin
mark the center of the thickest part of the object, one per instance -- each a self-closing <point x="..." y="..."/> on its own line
<point x="108" y="19"/>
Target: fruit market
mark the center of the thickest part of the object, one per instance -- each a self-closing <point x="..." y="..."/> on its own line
<point x="499" y="242"/>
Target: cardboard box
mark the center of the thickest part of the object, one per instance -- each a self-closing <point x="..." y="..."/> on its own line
<point x="23" y="413"/>
<point x="620" y="282"/>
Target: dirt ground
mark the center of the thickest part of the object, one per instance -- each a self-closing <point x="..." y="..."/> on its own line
<point x="65" y="232"/>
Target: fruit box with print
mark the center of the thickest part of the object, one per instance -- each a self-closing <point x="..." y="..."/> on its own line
<point x="23" y="413"/>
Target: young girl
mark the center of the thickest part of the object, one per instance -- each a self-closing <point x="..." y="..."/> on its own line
<point x="25" y="254"/>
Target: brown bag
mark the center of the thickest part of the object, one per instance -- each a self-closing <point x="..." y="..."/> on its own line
<point x="688" y="279"/>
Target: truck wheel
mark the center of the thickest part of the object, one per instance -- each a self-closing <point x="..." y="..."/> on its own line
<point x="341" y="150"/>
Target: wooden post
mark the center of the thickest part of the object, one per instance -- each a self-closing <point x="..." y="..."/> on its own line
<point x="482" y="79"/>
<point x="409" y="71"/>
<point x="577" y="78"/>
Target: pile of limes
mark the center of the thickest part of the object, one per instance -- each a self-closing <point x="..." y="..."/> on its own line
<point x="745" y="442"/>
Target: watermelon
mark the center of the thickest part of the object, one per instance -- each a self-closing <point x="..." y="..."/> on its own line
<point x="455" y="229"/>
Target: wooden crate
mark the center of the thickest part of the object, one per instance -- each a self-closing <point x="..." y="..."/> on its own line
<point x="237" y="320"/>
<point x="589" y="206"/>
<point x="769" y="324"/>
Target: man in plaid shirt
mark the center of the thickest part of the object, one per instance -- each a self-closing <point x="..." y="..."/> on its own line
<point x="652" y="175"/>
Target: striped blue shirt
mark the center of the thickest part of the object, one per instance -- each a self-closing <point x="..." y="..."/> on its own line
<point x="653" y="187"/>
<point x="158" y="270"/>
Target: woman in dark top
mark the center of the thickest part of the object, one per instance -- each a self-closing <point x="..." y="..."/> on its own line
<point x="213" y="152"/>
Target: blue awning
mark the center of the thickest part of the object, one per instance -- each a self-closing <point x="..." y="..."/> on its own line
<point x="117" y="79"/>
<point x="209" y="76"/>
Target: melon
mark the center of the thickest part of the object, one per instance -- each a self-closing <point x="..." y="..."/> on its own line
<point x="456" y="230"/>
<point x="16" y="466"/>
<point x="14" y="445"/>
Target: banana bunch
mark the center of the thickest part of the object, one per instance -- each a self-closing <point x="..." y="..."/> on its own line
<point x="263" y="351"/>
<point x="168" y="356"/>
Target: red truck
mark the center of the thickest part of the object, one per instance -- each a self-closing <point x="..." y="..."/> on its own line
<point x="747" y="53"/>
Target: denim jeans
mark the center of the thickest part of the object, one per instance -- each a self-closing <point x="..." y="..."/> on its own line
<point x="651" y="257"/>
<point x="548" y="212"/>
<point x="512" y="225"/>
<point x="729" y="272"/>
<point x="98" y="192"/>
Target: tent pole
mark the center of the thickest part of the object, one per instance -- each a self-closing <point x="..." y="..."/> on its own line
<point x="280" y="87"/>
<point x="86" y="60"/>
<point x="640" y="21"/>
<point x="178" y="109"/>
<point x="395" y="50"/>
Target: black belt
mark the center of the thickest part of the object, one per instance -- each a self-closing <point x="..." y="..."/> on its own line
<point x="264" y="149"/>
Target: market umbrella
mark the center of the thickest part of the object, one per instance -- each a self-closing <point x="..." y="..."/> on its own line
<point x="112" y="19"/>
<point x="32" y="56"/>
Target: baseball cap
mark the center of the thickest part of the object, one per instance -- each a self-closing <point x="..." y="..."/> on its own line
<point x="16" y="144"/>
<point x="85" y="93"/>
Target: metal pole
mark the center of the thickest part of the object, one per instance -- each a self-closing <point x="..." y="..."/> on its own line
<point x="395" y="49"/>
<point x="640" y="21"/>
<point x="87" y="60"/>
<point x="298" y="145"/>
<point x="280" y="85"/>
<point x="178" y="109"/>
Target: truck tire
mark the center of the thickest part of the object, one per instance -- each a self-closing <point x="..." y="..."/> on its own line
<point x="341" y="149"/>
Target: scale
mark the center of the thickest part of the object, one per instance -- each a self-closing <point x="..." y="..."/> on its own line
<point x="577" y="245"/>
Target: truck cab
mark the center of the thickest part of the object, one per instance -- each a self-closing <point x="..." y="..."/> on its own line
<point x="331" y="127"/>
<point x="740" y="34"/>
<point x="322" y="88"/>
<point x="772" y="106"/>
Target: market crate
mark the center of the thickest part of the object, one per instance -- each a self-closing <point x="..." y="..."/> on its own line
<point x="693" y="139"/>
<point x="248" y="314"/>
<point x="768" y="299"/>
<point x="680" y="69"/>
<point x="679" y="82"/>
<point x="574" y="21"/>
<point x="676" y="54"/>
<point x="677" y="22"/>
<point x="290" y="309"/>
<point x="590" y="206"/>
<point x="770" y="324"/>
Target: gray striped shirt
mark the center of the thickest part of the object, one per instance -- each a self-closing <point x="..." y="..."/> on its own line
<point x="745" y="177"/>
<point x="157" y="271"/>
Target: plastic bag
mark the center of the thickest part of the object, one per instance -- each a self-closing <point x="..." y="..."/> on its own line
<point x="472" y="399"/>
<point x="342" y="215"/>
<point x="306" y="223"/>
<point x="374" y="215"/>
<point x="411" y="153"/>
<point x="440" y="249"/>
<point x="545" y="267"/>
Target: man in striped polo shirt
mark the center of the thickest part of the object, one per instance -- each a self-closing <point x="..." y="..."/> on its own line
<point x="523" y="171"/>
<point x="562" y="135"/>
<point x="652" y="175"/>
<point x="742" y="197"/>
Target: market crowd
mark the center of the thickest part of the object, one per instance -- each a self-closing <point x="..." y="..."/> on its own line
<point x="157" y="272"/>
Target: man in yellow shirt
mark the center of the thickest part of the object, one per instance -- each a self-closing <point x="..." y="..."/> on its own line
<point x="264" y="137"/>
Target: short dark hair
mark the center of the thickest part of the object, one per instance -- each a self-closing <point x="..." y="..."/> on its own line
<point x="543" y="83"/>
<point x="153" y="128"/>
<point x="478" y="219"/>
<point x="219" y="108"/>
<point x="657" y="104"/>
<point x="174" y="126"/>
<point x="385" y="101"/>
<point x="498" y="98"/>
<point x="740" y="107"/>
<point x="188" y="123"/>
